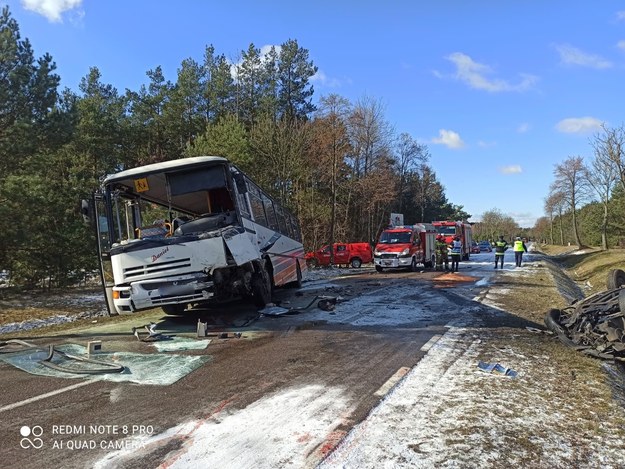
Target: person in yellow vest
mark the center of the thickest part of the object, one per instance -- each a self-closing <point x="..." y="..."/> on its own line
<point x="500" y="249"/>
<point x="519" y="248"/>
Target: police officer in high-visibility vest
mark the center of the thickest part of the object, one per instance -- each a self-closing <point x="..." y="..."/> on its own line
<point x="500" y="248"/>
<point x="456" y="253"/>
<point x="519" y="248"/>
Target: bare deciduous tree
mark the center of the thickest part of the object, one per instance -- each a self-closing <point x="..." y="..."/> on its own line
<point x="495" y="224"/>
<point x="410" y="156"/>
<point x="602" y="176"/>
<point x="331" y="148"/>
<point x="611" y="144"/>
<point x="572" y="182"/>
<point x="371" y="137"/>
<point x="554" y="205"/>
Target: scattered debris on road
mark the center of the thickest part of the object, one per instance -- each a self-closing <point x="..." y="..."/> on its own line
<point x="325" y="303"/>
<point x="152" y="334"/>
<point x="68" y="363"/>
<point x="497" y="369"/>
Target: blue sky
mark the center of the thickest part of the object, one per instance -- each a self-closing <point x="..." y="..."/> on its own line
<point x="499" y="91"/>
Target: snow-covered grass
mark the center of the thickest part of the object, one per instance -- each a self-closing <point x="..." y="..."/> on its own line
<point x="448" y="413"/>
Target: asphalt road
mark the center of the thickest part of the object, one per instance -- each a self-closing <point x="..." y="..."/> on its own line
<point x="382" y="326"/>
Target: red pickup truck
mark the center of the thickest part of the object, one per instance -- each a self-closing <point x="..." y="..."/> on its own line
<point x="354" y="254"/>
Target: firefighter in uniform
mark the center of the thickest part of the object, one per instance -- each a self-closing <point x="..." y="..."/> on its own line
<point x="441" y="253"/>
<point x="456" y="253"/>
<point x="519" y="248"/>
<point x="500" y="248"/>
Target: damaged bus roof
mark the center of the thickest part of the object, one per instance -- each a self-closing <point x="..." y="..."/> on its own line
<point x="183" y="163"/>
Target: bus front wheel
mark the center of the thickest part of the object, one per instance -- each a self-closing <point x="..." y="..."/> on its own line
<point x="261" y="288"/>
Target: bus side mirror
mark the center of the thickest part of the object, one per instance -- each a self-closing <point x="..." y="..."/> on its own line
<point x="85" y="211"/>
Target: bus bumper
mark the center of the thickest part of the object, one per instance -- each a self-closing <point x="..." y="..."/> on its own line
<point x="148" y="294"/>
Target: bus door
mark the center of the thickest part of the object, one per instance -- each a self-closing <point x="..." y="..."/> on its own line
<point x="103" y="236"/>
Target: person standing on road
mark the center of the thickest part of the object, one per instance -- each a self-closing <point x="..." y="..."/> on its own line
<point x="500" y="248"/>
<point x="456" y="253"/>
<point x="441" y="253"/>
<point x="519" y="248"/>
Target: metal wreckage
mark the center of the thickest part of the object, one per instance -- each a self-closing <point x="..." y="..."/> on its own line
<point x="594" y="325"/>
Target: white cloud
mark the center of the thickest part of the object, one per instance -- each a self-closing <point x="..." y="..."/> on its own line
<point x="578" y="125"/>
<point x="264" y="50"/>
<point x="475" y="75"/>
<point x="570" y="55"/>
<point x="523" y="127"/>
<point x="484" y="144"/>
<point x="512" y="169"/>
<point x="449" y="138"/>
<point x="620" y="15"/>
<point x="323" y="80"/>
<point x="621" y="45"/>
<point x="51" y="9"/>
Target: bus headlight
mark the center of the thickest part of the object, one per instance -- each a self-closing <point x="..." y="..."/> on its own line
<point x="405" y="253"/>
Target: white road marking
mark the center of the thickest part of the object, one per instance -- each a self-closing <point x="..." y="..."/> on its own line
<point x="392" y="381"/>
<point x="44" y="396"/>
<point x="428" y="345"/>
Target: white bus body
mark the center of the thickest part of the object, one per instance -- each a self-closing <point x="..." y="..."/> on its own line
<point x="219" y="237"/>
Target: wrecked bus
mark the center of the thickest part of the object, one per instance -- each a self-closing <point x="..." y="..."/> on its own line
<point x="182" y="233"/>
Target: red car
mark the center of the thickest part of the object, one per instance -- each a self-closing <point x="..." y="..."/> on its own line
<point x="475" y="249"/>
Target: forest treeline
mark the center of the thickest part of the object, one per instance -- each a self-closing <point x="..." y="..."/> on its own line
<point x="339" y="166"/>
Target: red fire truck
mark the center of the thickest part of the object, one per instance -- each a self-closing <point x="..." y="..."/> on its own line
<point x="354" y="254"/>
<point x="406" y="246"/>
<point x="450" y="229"/>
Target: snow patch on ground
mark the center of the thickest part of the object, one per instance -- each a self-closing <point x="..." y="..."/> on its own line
<point x="278" y="431"/>
<point x="37" y="323"/>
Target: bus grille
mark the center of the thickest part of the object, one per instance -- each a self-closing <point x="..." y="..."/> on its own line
<point x="152" y="270"/>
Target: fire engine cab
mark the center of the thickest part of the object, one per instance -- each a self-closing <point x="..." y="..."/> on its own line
<point x="450" y="229"/>
<point x="406" y="246"/>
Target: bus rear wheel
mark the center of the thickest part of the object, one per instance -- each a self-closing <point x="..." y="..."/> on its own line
<point x="297" y="283"/>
